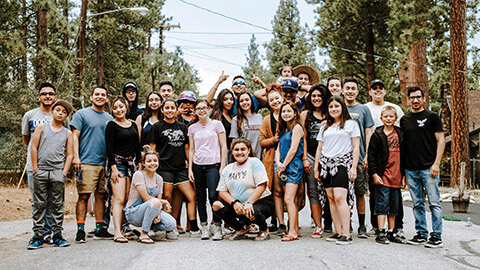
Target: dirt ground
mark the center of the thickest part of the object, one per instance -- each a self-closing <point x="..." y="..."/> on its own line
<point x="17" y="204"/>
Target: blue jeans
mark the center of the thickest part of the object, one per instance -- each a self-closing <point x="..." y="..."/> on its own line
<point x="143" y="215"/>
<point x="206" y="177"/>
<point x="47" y="228"/>
<point x="420" y="182"/>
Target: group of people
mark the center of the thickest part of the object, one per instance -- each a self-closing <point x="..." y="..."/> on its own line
<point x="141" y="165"/>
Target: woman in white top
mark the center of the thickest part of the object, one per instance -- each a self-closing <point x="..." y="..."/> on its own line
<point x="335" y="164"/>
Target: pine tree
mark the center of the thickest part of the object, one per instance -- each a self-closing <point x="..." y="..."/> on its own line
<point x="290" y="43"/>
<point x="254" y="65"/>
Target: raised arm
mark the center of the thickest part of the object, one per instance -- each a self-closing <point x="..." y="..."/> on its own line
<point x="213" y="90"/>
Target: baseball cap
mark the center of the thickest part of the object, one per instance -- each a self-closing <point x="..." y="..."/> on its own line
<point x="65" y="104"/>
<point x="377" y="81"/>
<point x="290" y="85"/>
<point x="187" y="96"/>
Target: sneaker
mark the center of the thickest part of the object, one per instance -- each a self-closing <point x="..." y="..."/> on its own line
<point x="317" y="232"/>
<point x="35" y="243"/>
<point x="417" y="239"/>
<point x="400" y="234"/>
<point x="217" y="234"/>
<point x="362" y="232"/>
<point x="382" y="238"/>
<point x="205" y="234"/>
<point x="128" y="232"/>
<point x="333" y="238"/>
<point x="103" y="234"/>
<point x="226" y="230"/>
<point x="395" y="238"/>
<point x="373" y="232"/>
<point x="91" y="233"/>
<point x="171" y="235"/>
<point x="343" y="240"/>
<point x="59" y="241"/>
<point x="434" y="242"/>
<point x="80" y="238"/>
<point x="272" y="227"/>
<point x="177" y="233"/>
<point x="328" y="230"/>
<point x="195" y="234"/>
<point x="47" y="239"/>
<point x="157" y="236"/>
<point x="282" y="230"/>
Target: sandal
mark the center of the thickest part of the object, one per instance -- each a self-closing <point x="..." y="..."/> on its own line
<point x="145" y="240"/>
<point x="180" y="230"/>
<point x="120" y="239"/>
<point x="262" y="236"/>
<point x="254" y="229"/>
<point x="237" y="236"/>
<point x="288" y="238"/>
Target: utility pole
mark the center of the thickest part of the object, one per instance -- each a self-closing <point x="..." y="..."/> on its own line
<point x="80" y="54"/>
<point x="160" y="28"/>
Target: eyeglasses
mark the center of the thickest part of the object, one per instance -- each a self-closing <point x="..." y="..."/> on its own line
<point x="415" y="97"/>
<point x="201" y="109"/>
<point x="239" y="83"/>
<point x="47" y="94"/>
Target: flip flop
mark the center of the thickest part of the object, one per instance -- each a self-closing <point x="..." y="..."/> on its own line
<point x="254" y="229"/>
<point x="262" y="237"/>
<point x="237" y="236"/>
<point x="120" y="239"/>
<point x="145" y="240"/>
<point x="288" y="238"/>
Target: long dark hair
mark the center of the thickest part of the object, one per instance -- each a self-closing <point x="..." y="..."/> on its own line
<point x="194" y="106"/>
<point x="244" y="141"/>
<point x="148" y="112"/>
<point x="217" y="110"/>
<point x="160" y="115"/>
<point x="324" y="93"/>
<point x="240" y="114"/>
<point x="284" y="126"/>
<point x="343" y="117"/>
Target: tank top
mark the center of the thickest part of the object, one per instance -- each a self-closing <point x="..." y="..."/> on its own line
<point x="51" y="149"/>
<point x="313" y="127"/>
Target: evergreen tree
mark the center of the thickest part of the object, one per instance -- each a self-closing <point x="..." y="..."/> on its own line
<point x="290" y="43"/>
<point x="254" y="65"/>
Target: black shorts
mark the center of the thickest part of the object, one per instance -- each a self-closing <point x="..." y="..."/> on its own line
<point x="174" y="177"/>
<point x="339" y="180"/>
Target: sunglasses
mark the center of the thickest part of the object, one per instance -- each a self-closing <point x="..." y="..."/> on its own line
<point x="47" y="94"/>
<point x="239" y="83"/>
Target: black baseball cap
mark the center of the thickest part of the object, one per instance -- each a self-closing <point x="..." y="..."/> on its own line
<point x="377" y="81"/>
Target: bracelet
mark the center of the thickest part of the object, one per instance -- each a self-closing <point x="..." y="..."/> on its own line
<point x="249" y="202"/>
<point x="234" y="202"/>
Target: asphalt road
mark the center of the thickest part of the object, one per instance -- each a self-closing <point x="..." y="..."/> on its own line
<point x="447" y="211"/>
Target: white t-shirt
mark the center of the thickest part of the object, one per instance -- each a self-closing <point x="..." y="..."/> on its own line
<point x="337" y="141"/>
<point x="241" y="181"/>
<point x="376" y="111"/>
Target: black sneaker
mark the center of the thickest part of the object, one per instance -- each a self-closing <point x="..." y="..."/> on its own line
<point x="362" y="232"/>
<point x="35" y="243"/>
<point x="59" y="241"/>
<point x="382" y="238"/>
<point x="80" y="238"/>
<point x="272" y="227"/>
<point x="333" y="238"/>
<point x="395" y="238"/>
<point x="282" y="230"/>
<point x="434" y="242"/>
<point x="103" y="234"/>
<point x="91" y="233"/>
<point x="343" y="240"/>
<point x="417" y="240"/>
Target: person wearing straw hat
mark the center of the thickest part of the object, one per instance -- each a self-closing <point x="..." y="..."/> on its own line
<point x="306" y="77"/>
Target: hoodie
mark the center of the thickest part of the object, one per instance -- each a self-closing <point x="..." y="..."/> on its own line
<point x="134" y="111"/>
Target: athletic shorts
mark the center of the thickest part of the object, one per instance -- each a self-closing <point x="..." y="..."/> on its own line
<point x="361" y="182"/>
<point x="174" y="177"/>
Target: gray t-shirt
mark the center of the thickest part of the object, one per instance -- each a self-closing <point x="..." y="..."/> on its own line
<point x="362" y="115"/>
<point x="30" y="122"/>
<point x="250" y="130"/>
<point x="51" y="149"/>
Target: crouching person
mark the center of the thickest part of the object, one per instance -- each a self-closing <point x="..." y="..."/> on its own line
<point x="145" y="207"/>
<point x="245" y="198"/>
<point x="52" y="155"/>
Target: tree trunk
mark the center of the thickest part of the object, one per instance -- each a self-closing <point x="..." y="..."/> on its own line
<point x="100" y="57"/>
<point x="458" y="71"/>
<point x="80" y="55"/>
<point x="65" y="34"/>
<point x="369" y="46"/>
<point x="414" y="71"/>
<point x="41" y="44"/>
<point x="24" y="52"/>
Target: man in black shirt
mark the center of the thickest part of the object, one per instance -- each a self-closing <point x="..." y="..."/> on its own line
<point x="423" y="145"/>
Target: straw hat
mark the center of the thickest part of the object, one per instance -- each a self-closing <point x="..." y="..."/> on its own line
<point x="312" y="73"/>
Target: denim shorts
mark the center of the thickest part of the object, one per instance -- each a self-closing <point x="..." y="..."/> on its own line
<point x="386" y="200"/>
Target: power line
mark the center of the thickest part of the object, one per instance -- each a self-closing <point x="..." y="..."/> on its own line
<point x="225" y="16"/>
<point x="209" y="57"/>
<point x="228" y="46"/>
<point x="222" y="33"/>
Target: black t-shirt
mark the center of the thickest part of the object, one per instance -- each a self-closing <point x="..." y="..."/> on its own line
<point x="228" y="126"/>
<point x="170" y="140"/>
<point x="313" y="126"/>
<point x="121" y="141"/>
<point x="419" y="142"/>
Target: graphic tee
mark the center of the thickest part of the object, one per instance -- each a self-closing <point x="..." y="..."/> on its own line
<point x="392" y="176"/>
<point x="170" y="140"/>
<point x="250" y="130"/>
<point x="241" y="181"/>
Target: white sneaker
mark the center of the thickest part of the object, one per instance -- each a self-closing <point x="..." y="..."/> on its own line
<point x="217" y="234"/>
<point x="205" y="233"/>
<point x="195" y="234"/>
<point x="171" y="235"/>
<point x="226" y="231"/>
